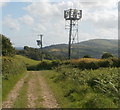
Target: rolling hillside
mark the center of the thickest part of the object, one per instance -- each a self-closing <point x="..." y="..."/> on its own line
<point x="95" y="48"/>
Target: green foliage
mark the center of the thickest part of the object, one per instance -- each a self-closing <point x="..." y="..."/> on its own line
<point x="9" y="83"/>
<point x="7" y="48"/>
<point x="87" y="56"/>
<point x="11" y="65"/>
<point x="94" y="48"/>
<point x="27" y="61"/>
<point x="88" y="88"/>
<point x="21" y="101"/>
<point x="91" y="63"/>
<point x="107" y="55"/>
<point x="12" y="70"/>
<point x="45" y="65"/>
<point x="35" y="53"/>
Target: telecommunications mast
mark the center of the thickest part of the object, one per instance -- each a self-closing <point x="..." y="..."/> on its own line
<point x="72" y="15"/>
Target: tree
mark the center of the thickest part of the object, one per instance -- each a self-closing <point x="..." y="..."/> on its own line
<point x="7" y="48"/>
<point x="87" y="56"/>
<point x="106" y="55"/>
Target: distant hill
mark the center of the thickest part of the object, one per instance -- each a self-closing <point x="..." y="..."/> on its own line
<point x="19" y="48"/>
<point x="94" y="48"/>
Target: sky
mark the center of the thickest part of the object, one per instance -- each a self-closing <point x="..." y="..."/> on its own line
<point x="23" y="20"/>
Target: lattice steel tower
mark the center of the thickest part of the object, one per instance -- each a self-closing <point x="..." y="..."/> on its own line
<point x="72" y="16"/>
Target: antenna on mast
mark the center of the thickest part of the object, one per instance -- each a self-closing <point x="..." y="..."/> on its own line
<point x="72" y="15"/>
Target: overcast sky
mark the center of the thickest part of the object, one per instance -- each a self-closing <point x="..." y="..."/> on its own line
<point x="23" y="20"/>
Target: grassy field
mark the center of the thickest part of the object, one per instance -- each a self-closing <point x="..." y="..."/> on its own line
<point x="74" y="88"/>
<point x="27" y="61"/>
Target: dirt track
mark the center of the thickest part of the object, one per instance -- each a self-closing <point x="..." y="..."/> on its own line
<point x="13" y="94"/>
<point x="37" y="89"/>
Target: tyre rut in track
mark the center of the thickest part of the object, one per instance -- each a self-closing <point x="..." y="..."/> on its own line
<point x="8" y="103"/>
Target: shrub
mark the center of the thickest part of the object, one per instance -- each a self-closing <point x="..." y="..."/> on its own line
<point x="105" y="63"/>
<point x="11" y="65"/>
<point x="87" y="56"/>
<point x="89" y="88"/>
<point x="44" y="65"/>
<point x="88" y="65"/>
<point x="92" y="63"/>
<point x="7" y="48"/>
<point x="116" y="62"/>
<point x="56" y="63"/>
<point x="85" y="63"/>
<point x="106" y="55"/>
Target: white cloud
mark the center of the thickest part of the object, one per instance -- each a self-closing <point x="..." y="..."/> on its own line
<point x="11" y="23"/>
<point x="48" y="18"/>
<point x="101" y="14"/>
<point x="27" y="19"/>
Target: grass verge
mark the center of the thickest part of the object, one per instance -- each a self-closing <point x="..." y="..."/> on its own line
<point x="56" y="89"/>
<point x="21" y="101"/>
<point x="8" y="84"/>
<point x="74" y="88"/>
<point x="0" y="91"/>
<point x="37" y="92"/>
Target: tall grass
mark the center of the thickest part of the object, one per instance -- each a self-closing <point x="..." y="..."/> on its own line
<point x="87" y="88"/>
<point x="12" y="71"/>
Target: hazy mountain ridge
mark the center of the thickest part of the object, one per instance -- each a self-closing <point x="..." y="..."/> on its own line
<point x="95" y="48"/>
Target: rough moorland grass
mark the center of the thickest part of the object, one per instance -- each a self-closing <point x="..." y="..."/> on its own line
<point x="75" y="88"/>
<point x="21" y="101"/>
<point x="7" y="85"/>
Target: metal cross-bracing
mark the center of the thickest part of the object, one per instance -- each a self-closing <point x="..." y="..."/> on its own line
<point x="72" y="16"/>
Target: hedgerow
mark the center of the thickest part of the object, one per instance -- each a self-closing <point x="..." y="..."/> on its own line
<point x="11" y="65"/>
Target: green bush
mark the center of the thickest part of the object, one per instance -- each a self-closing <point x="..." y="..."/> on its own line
<point x="91" y="63"/>
<point x="87" y="56"/>
<point x="55" y="63"/>
<point x="45" y="65"/>
<point x="105" y="63"/>
<point x="11" y="65"/>
<point x="7" y="48"/>
<point x="107" y="55"/>
<point x="89" y="88"/>
<point x="116" y="62"/>
<point x="88" y="65"/>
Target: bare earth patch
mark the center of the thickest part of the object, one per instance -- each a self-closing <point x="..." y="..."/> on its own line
<point x="48" y="99"/>
<point x="38" y="93"/>
<point x="13" y="94"/>
<point x="31" y="92"/>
